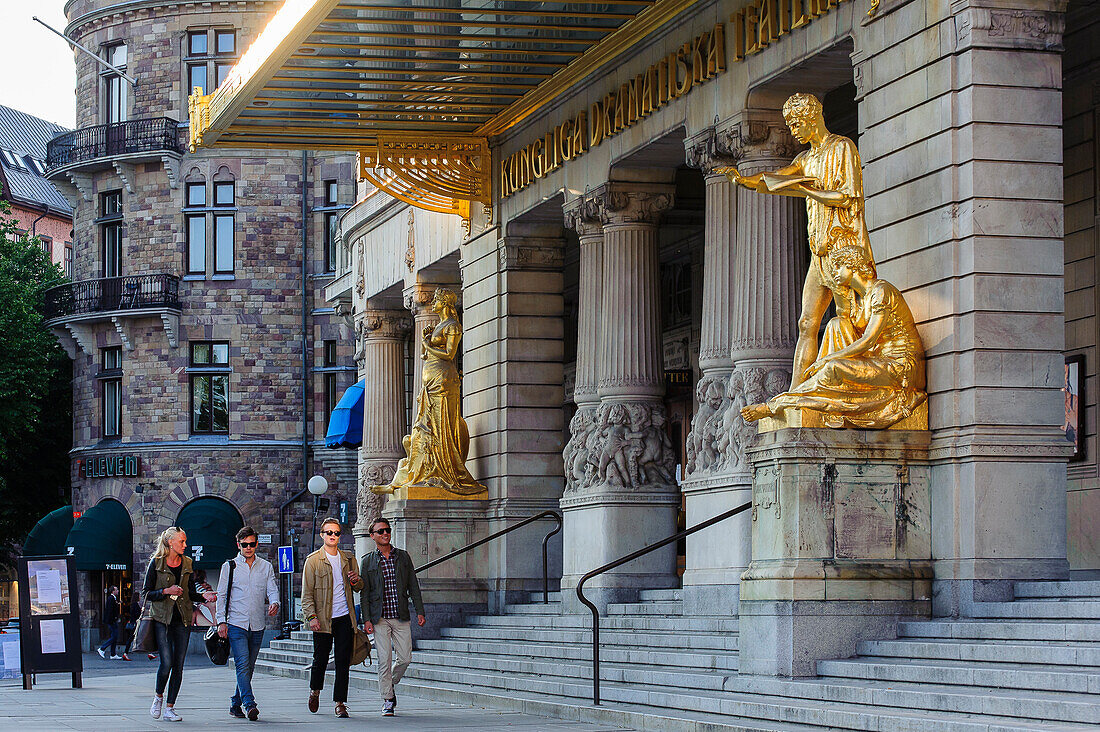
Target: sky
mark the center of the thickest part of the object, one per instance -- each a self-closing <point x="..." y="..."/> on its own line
<point x="39" y="73"/>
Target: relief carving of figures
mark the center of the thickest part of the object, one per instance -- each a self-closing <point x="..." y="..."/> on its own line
<point x="623" y="445"/>
<point x="702" y="450"/>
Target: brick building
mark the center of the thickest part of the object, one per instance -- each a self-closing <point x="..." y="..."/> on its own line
<point x="205" y="357"/>
<point x="36" y="205"/>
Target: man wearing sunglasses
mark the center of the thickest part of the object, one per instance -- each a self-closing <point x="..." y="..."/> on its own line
<point x="255" y="593"/>
<point x="389" y="581"/>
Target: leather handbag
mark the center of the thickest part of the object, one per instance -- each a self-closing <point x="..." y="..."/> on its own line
<point x="217" y="648"/>
<point x="145" y="636"/>
<point x="360" y="649"/>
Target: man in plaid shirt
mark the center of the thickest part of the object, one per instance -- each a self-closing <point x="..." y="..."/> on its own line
<point x="389" y="582"/>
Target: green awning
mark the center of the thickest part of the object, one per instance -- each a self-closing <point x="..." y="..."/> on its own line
<point x="103" y="538"/>
<point x="47" y="538"/>
<point x="211" y="525"/>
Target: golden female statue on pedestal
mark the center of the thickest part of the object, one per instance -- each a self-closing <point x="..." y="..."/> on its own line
<point x="439" y="441"/>
<point x="870" y="369"/>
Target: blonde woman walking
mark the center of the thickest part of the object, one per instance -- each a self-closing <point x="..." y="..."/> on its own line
<point x="170" y="590"/>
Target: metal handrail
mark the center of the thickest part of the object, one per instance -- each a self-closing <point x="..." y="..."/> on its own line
<point x="146" y="135"/>
<point x="545" y="564"/>
<point x="110" y="294"/>
<point x="629" y="558"/>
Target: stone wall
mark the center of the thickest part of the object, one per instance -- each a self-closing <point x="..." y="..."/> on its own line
<point x="1081" y="66"/>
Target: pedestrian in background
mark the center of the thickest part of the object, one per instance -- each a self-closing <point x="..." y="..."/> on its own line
<point x="389" y="581"/>
<point x="253" y="597"/>
<point x="133" y="614"/>
<point x="171" y="594"/>
<point x="111" y="617"/>
<point x="329" y="577"/>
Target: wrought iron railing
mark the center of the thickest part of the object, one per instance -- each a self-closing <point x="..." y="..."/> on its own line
<point x="110" y="294"/>
<point x="154" y="134"/>
<point x="630" y="558"/>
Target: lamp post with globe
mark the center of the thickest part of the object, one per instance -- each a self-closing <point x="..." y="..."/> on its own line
<point x="317" y="485"/>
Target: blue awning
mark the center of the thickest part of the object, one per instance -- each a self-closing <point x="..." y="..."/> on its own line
<point x="345" y="425"/>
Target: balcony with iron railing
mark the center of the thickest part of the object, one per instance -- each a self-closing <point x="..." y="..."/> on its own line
<point x="117" y="145"/>
<point x="74" y="309"/>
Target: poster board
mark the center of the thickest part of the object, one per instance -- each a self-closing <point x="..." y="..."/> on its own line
<point x="49" y="622"/>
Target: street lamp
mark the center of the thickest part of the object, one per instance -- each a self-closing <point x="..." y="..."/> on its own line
<point x="317" y="485"/>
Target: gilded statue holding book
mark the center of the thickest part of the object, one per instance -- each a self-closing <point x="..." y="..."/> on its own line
<point x="439" y="441"/>
<point x="868" y="370"/>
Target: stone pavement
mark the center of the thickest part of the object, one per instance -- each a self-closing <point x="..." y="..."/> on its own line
<point x="116" y="696"/>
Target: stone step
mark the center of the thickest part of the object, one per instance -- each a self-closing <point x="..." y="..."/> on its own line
<point x="553" y="608"/>
<point x="536" y="596"/>
<point x="1058" y="590"/>
<point x="1081" y="680"/>
<point x="632" y="638"/>
<point x="646" y="608"/>
<point x="1021" y="652"/>
<point x="1038" y="610"/>
<point x="716" y="660"/>
<point x="1005" y="630"/>
<point x="908" y="708"/>
<point x="667" y="675"/>
<point x="650" y="595"/>
<point x="619" y="715"/>
<point x="713" y="624"/>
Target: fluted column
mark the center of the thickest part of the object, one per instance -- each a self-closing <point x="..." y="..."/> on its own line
<point x="708" y="151"/>
<point x="582" y="217"/>
<point x="418" y="301"/>
<point x="628" y="497"/>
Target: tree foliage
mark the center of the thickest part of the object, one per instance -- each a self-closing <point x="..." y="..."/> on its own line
<point x="35" y="390"/>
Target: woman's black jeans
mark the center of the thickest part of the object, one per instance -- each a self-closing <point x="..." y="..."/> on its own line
<point x="172" y="645"/>
<point x="342" y="636"/>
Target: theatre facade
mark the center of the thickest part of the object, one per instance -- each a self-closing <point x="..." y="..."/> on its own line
<point x="566" y="173"/>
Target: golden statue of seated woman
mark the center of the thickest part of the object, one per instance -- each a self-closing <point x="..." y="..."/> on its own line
<point x="869" y="370"/>
<point x="439" y="441"/>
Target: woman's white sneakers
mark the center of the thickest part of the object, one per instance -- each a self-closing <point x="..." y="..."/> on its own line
<point x="171" y="716"/>
<point x="158" y="705"/>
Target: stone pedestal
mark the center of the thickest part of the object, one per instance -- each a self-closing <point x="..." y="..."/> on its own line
<point x="429" y="529"/>
<point x="841" y="544"/>
<point x="628" y="497"/>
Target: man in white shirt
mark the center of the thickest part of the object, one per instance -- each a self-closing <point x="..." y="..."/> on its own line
<point x="255" y="595"/>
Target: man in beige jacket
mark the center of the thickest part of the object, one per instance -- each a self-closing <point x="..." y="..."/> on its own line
<point x="329" y="579"/>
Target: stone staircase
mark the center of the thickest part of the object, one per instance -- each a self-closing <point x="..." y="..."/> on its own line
<point x="1031" y="664"/>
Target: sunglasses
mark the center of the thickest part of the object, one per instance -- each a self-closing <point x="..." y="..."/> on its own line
<point x="331" y="533"/>
<point x="382" y="531"/>
<point x="247" y="544"/>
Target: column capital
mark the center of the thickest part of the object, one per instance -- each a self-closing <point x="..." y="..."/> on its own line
<point x="583" y="216"/>
<point x="626" y="203"/>
<point x="758" y="136"/>
<point x="530" y="253"/>
<point x="709" y="150"/>
<point x="378" y="324"/>
<point x="418" y="298"/>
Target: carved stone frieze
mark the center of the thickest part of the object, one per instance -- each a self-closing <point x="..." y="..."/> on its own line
<point x="410" y="249"/>
<point x="1008" y="27"/>
<point x="520" y="253"/>
<point x="619" y="445"/>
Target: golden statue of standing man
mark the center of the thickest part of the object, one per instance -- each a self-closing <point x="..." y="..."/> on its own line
<point x="439" y="441"/>
<point x="869" y="370"/>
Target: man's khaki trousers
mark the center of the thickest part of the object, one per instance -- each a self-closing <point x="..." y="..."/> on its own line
<point x="392" y="636"/>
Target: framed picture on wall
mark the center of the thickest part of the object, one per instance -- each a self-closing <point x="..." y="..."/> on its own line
<point x="1075" y="406"/>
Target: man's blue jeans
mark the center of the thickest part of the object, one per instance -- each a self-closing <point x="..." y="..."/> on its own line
<point x="245" y="645"/>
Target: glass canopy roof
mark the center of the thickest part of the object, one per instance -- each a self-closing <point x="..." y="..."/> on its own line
<point x="335" y="73"/>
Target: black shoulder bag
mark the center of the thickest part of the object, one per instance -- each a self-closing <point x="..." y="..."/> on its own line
<point x="217" y="648"/>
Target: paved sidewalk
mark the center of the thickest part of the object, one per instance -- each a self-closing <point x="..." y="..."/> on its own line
<point x="117" y="698"/>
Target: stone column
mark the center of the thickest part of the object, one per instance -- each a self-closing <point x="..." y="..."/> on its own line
<point x="418" y="301"/>
<point x="384" y="417"/>
<point x="754" y="250"/>
<point x="629" y="498"/>
<point x="582" y="217"/>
